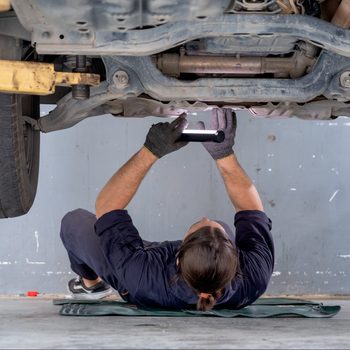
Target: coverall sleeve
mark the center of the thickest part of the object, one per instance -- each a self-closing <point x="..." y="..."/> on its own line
<point x="256" y="251"/>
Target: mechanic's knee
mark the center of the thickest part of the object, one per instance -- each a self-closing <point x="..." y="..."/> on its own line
<point x="77" y="222"/>
<point x="71" y="219"/>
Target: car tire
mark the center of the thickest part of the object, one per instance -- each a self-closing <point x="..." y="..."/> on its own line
<point x="19" y="154"/>
<point x="19" y="143"/>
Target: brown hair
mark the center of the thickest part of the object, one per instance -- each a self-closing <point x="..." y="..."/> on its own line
<point x="207" y="261"/>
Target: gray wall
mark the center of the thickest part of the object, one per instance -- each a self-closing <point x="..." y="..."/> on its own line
<point x="300" y="168"/>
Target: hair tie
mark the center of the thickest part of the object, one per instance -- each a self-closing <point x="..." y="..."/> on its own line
<point x="205" y="295"/>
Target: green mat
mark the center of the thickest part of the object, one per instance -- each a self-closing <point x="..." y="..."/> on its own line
<point x="262" y="308"/>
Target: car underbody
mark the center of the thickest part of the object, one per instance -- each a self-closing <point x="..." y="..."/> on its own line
<point x="161" y="58"/>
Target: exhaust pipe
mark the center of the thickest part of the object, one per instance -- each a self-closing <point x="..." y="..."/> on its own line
<point x="294" y="67"/>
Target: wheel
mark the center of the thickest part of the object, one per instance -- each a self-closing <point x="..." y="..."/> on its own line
<point x="19" y="154"/>
<point x="19" y="144"/>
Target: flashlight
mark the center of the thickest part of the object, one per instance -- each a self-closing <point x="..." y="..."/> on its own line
<point x="202" y="135"/>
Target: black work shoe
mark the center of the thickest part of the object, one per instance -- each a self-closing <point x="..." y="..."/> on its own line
<point x="79" y="290"/>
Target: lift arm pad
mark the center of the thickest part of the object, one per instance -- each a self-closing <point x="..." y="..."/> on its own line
<point x="36" y="78"/>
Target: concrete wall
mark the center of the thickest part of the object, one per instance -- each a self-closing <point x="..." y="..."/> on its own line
<point x="301" y="169"/>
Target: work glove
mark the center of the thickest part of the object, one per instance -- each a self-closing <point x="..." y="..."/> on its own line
<point x="225" y="120"/>
<point x="161" y="138"/>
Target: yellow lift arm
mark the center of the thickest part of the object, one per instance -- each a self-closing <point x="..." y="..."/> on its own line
<point x="36" y="78"/>
<point x="5" y="5"/>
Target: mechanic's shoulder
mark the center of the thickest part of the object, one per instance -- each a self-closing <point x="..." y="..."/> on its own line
<point x="252" y="216"/>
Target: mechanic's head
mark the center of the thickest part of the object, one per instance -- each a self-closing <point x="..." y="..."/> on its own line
<point x="207" y="261"/>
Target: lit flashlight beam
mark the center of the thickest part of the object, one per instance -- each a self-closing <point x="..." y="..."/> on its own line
<point x="202" y="135"/>
<point x="206" y="132"/>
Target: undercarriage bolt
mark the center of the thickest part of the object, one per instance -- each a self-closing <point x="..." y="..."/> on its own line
<point x="345" y="79"/>
<point x="120" y="79"/>
<point x="346" y="82"/>
<point x="80" y="91"/>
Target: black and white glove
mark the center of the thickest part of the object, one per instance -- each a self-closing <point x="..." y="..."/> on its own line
<point x="161" y="138"/>
<point x="225" y="120"/>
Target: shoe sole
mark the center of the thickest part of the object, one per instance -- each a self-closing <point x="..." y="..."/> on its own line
<point x="92" y="296"/>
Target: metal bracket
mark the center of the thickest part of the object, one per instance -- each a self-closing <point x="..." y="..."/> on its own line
<point x="39" y="78"/>
<point x="129" y="77"/>
<point x="238" y="90"/>
<point x="158" y="39"/>
<point x="33" y="122"/>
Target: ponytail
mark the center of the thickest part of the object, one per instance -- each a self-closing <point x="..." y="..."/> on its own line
<point x="207" y="262"/>
<point x="205" y="302"/>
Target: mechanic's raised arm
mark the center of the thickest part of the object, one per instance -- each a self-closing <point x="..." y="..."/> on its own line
<point x="121" y="188"/>
<point x="239" y="187"/>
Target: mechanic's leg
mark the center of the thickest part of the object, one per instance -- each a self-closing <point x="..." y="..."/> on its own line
<point x="84" y="252"/>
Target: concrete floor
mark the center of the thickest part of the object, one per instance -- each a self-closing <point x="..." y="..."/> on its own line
<point x="35" y="323"/>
